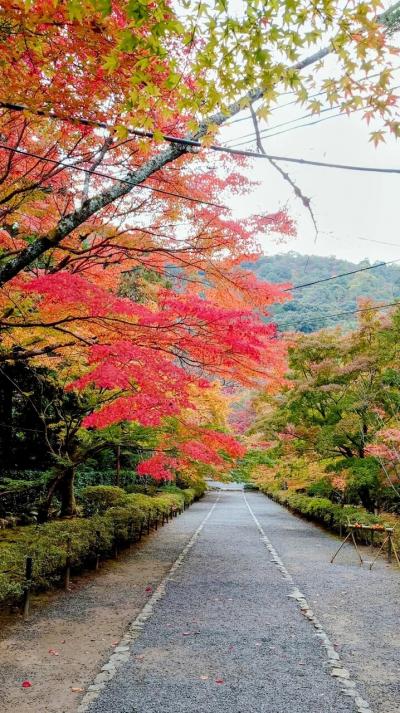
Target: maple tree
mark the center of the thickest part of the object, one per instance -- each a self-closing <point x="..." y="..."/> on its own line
<point x="340" y="409"/>
<point x="120" y="266"/>
<point x="59" y="60"/>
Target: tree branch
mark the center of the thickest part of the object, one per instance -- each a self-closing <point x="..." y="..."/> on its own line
<point x="93" y="205"/>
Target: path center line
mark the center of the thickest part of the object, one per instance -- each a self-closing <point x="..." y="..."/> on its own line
<point x="338" y="670"/>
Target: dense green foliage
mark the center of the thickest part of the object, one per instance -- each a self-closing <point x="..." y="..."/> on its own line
<point x="312" y="303"/>
<point x="330" y="515"/>
<point x="333" y="429"/>
<point x="245" y="466"/>
<point x="114" y="518"/>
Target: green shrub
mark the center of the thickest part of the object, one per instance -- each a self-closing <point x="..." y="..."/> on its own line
<point x="125" y="521"/>
<point x="98" y="498"/>
<point x="189" y="495"/>
<point x="147" y="504"/>
<point x="115" y="516"/>
<point x="325" y="512"/>
<point x="322" y="488"/>
<point x="144" y="489"/>
<point x="22" y="490"/>
<point x="171" y="501"/>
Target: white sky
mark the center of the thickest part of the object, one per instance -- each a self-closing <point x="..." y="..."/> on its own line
<point x="351" y="208"/>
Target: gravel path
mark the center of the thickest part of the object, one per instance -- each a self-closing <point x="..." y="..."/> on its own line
<point x="84" y="624"/>
<point x="358" y="607"/>
<point x="224" y="633"/>
<point x="214" y="611"/>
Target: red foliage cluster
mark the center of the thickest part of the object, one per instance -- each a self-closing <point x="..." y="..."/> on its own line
<point x="145" y="298"/>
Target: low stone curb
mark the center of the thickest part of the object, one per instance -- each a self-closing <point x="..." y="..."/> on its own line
<point x="337" y="669"/>
<point x="122" y="651"/>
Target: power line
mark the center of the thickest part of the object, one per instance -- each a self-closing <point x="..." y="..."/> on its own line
<point x="293" y="121"/>
<point x="294" y="128"/>
<point x="334" y="315"/>
<point x="366" y="240"/>
<point x="342" y="274"/>
<point x="296" y="101"/>
<point x="380" y="242"/>
<point x="279" y="126"/>
<point x="95" y="172"/>
<point x="193" y="143"/>
<point x="103" y="175"/>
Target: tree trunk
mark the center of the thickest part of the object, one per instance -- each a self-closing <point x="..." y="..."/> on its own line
<point x="66" y="492"/>
<point x="46" y="504"/>
<point x="118" y="466"/>
<point x="6" y="433"/>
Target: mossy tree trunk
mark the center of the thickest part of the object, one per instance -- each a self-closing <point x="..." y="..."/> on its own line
<point x="67" y="493"/>
<point x="63" y="486"/>
<point x="6" y="418"/>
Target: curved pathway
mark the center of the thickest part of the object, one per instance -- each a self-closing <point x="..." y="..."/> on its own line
<point x="252" y="617"/>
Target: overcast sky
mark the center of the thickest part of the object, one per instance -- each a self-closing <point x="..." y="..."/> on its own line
<point x="352" y="209"/>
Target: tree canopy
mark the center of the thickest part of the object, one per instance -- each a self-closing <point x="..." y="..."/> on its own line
<point x="340" y="408"/>
<point x="121" y="267"/>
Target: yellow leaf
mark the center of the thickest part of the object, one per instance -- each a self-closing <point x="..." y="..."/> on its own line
<point x="121" y="131"/>
<point x="377" y="137"/>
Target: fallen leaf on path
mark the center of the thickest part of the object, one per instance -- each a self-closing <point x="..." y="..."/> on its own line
<point x="77" y="690"/>
<point x="26" y="684"/>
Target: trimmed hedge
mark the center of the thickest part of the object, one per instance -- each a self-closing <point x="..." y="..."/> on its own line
<point x="113" y="517"/>
<point x="331" y="515"/>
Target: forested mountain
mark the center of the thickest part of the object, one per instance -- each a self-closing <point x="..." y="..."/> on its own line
<point x="308" y="309"/>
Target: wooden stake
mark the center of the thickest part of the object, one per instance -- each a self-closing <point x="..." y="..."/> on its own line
<point x="389" y="548"/>
<point x="27" y="586"/>
<point x="67" y="576"/>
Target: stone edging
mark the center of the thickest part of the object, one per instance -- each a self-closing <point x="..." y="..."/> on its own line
<point x="338" y="670"/>
<point x="122" y="651"/>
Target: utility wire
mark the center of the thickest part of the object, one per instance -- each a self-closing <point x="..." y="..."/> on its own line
<point x="193" y="143"/>
<point x="334" y="315"/>
<point x="251" y="136"/>
<point x="366" y="240"/>
<point x="380" y="242"/>
<point x="296" y="101"/>
<point x="292" y="128"/>
<point x="103" y="175"/>
<point x="342" y="274"/>
<point x="265" y="135"/>
<point x="94" y="172"/>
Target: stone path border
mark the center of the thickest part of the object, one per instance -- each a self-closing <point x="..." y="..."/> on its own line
<point x="338" y="670"/>
<point x="121" y="652"/>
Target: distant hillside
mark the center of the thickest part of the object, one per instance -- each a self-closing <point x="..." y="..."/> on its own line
<point x="381" y="284"/>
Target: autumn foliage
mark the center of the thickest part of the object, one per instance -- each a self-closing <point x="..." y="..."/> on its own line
<point x="334" y="428"/>
<point x="120" y="264"/>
